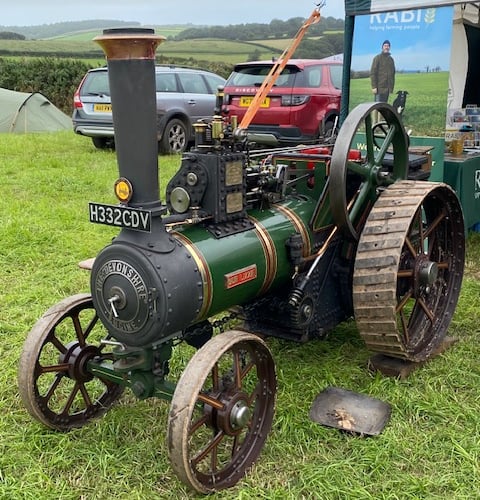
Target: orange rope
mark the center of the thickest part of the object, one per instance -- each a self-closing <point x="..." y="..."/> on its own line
<point x="277" y="68"/>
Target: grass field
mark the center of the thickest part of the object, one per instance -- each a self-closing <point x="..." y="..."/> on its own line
<point x="214" y="50"/>
<point x="428" y="450"/>
<point x="86" y="36"/>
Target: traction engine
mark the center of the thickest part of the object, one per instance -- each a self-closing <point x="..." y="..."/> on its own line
<point x="282" y="243"/>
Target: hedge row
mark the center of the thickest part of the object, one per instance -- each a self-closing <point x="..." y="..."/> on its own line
<point x="57" y="79"/>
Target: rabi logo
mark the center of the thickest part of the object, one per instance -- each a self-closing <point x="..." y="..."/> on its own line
<point x="402" y="20"/>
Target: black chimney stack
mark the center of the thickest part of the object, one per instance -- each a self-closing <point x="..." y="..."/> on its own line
<point x="130" y="56"/>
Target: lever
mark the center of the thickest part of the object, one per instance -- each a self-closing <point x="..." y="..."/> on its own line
<point x="112" y="301"/>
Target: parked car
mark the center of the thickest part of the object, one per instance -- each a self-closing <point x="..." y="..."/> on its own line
<point x="184" y="95"/>
<point x="302" y="106"/>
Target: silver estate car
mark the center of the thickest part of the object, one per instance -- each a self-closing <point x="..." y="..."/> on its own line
<point x="184" y="95"/>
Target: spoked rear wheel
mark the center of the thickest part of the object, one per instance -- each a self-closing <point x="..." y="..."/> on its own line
<point x="54" y="383"/>
<point x="222" y="411"/>
<point x="408" y="269"/>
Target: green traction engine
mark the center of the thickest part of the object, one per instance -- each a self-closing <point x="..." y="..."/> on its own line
<point x="281" y="243"/>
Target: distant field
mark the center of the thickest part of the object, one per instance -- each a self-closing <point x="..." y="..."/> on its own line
<point x="48" y="46"/>
<point x="166" y="31"/>
<point x="279" y="44"/>
<point x="214" y="50"/>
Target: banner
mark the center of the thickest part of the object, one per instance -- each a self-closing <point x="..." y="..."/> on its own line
<point x="420" y="39"/>
<point x="355" y="7"/>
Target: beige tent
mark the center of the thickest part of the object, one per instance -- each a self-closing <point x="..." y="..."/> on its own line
<point x="22" y="112"/>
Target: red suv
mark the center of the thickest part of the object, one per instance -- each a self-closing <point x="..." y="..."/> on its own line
<point x="302" y="105"/>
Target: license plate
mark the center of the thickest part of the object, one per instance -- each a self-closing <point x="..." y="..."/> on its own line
<point x="117" y="215"/>
<point x="246" y="101"/>
<point x="102" y="108"/>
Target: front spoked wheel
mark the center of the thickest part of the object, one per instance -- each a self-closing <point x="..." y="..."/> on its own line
<point x="54" y="382"/>
<point x="222" y="411"/>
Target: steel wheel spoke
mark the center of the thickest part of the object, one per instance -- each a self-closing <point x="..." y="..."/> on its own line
<point x="196" y="425"/>
<point x="435" y="223"/>
<point x="61" y="368"/>
<point x="410" y="247"/>
<point x="404" y="324"/>
<point x="247" y="369"/>
<point x="91" y="325"/>
<point x="71" y="398"/>
<point x="86" y="396"/>
<point x="214" y="403"/>
<point x="206" y="451"/>
<point x="255" y="394"/>
<point x="427" y="310"/>
<point x="404" y="300"/>
<point x="59" y="346"/>
<point x="52" y="387"/>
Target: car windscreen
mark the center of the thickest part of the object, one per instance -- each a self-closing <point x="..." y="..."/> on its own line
<point x="253" y="76"/>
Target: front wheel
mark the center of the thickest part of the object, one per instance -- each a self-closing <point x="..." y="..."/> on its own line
<point x="174" y="138"/>
<point x="222" y="411"/>
<point x="54" y="382"/>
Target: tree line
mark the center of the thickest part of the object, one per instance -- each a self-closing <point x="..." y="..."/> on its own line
<point x="259" y="31"/>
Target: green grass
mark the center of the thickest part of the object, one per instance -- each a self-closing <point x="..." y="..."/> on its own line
<point x="429" y="448"/>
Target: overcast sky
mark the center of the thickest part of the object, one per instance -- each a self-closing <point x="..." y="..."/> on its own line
<point x="158" y="12"/>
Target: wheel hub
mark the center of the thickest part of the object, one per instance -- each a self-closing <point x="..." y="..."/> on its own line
<point x="77" y="358"/>
<point x="426" y="273"/>
<point x="233" y="416"/>
<point x="240" y="414"/>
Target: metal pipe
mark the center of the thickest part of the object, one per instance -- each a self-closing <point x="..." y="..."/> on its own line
<point x="130" y="56"/>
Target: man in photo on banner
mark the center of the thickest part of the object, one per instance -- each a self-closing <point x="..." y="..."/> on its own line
<point x="382" y="74"/>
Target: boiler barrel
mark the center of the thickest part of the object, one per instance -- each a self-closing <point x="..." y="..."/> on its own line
<point x="240" y="267"/>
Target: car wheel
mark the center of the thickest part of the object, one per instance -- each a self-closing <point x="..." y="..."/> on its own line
<point x="328" y="130"/>
<point x="103" y="142"/>
<point x="174" y="137"/>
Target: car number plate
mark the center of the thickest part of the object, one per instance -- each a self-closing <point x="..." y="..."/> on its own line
<point x="102" y="108"/>
<point x="246" y="101"/>
<point x="120" y="216"/>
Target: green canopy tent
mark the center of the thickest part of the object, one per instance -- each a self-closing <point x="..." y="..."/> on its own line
<point x="22" y="112"/>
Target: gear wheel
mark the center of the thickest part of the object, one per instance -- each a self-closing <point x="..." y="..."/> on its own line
<point x="302" y="313"/>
